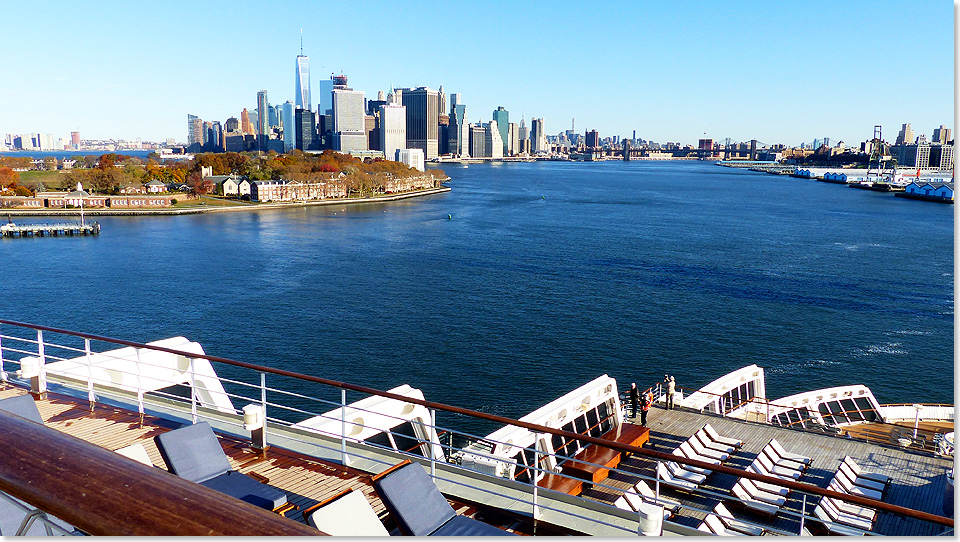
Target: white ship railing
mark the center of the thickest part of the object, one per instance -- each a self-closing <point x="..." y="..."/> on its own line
<point x="274" y="403"/>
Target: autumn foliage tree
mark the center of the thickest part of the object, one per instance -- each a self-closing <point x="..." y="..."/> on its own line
<point x="8" y="178"/>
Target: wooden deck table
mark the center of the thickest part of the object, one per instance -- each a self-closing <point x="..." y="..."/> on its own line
<point x="593" y="463"/>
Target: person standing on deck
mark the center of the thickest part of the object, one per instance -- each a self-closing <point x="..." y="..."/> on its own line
<point x="634" y="398"/>
<point x="645" y="401"/>
<point x="671" y="389"/>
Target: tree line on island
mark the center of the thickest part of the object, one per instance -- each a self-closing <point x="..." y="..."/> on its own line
<point x="110" y="173"/>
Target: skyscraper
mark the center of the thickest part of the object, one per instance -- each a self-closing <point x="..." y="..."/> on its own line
<point x="194" y="130"/>
<point x="348" y="120"/>
<point x="941" y="135"/>
<point x="245" y="125"/>
<point x="289" y="122"/>
<point x="441" y="102"/>
<point x="422" y="126"/>
<point x="393" y="129"/>
<point x="306" y="130"/>
<point x="492" y="144"/>
<point x="459" y="131"/>
<point x="303" y="82"/>
<point x="538" y="138"/>
<point x="263" y="119"/>
<point x="502" y="116"/>
<point x="905" y="137"/>
<point x="75" y="140"/>
<point x="325" y="100"/>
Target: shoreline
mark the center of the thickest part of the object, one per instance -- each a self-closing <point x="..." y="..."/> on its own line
<point x="212" y="209"/>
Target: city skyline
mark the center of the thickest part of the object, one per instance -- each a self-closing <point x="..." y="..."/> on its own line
<point x="675" y="73"/>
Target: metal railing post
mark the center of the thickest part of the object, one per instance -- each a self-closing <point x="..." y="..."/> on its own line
<point x="263" y="407"/>
<point x="139" y="387"/>
<point x="3" y="374"/>
<point x="433" y="455"/>
<point x="38" y="384"/>
<point x="343" y="426"/>
<point x="193" y="391"/>
<point x="90" y="395"/>
<point x="803" y="512"/>
<point x="656" y="488"/>
<point x="534" y="472"/>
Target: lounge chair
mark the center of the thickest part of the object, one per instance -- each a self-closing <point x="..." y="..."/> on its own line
<point x="849" y="487"/>
<point x="734" y="524"/>
<point x="849" y="520"/>
<point x="687" y="449"/>
<point x="864" y="512"/>
<point x="136" y="452"/>
<point x="781" y="462"/>
<point x="855" y="468"/>
<point x="788" y="455"/>
<point x="420" y="509"/>
<point x="679" y="472"/>
<point x="701" y="435"/>
<point x="632" y="502"/>
<point x="706" y="472"/>
<point x="758" y="494"/>
<point x="766" y="465"/>
<point x="23" y="406"/>
<point x="663" y="473"/>
<point x="749" y="502"/>
<point x="714" y="436"/>
<point x="764" y="486"/>
<point x="862" y="482"/>
<point x="712" y="524"/>
<point x="345" y="514"/>
<point x="832" y="526"/>
<point x="193" y="452"/>
<point x="703" y="451"/>
<point x="650" y="496"/>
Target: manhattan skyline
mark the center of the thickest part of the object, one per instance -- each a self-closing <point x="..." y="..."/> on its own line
<point x="779" y="74"/>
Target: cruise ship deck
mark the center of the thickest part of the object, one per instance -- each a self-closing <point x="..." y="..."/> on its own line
<point x="919" y="480"/>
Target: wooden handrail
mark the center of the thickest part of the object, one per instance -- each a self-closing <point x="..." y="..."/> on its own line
<point x="536" y="428"/>
<point x="103" y="493"/>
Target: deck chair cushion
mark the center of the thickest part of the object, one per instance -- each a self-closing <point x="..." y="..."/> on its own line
<point x="193" y="452"/>
<point x="413" y="500"/>
<point x="23" y="406"/>
<point x="347" y="515"/>
<point x="247" y="489"/>
<point x="421" y="510"/>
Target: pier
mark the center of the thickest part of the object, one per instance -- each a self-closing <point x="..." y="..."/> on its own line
<point x="49" y="230"/>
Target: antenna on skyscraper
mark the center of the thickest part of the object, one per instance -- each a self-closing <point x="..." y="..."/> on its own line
<point x="301" y="41"/>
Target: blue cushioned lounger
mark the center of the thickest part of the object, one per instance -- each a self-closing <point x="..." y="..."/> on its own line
<point x="193" y="452"/>
<point x="420" y="509"/>
<point x="23" y="406"/>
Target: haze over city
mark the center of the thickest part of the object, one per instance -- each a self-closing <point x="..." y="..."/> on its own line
<point x="671" y="71"/>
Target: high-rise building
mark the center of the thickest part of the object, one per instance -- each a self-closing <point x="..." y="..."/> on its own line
<point x="245" y="125"/>
<point x="523" y="135"/>
<point x="459" y="131"/>
<point x="593" y="139"/>
<point x="306" y="130"/>
<point x="422" y="120"/>
<point x="75" y="140"/>
<point x="478" y="140"/>
<point x="232" y="124"/>
<point x="393" y="129"/>
<point x="325" y="100"/>
<point x="194" y="130"/>
<point x="441" y="102"/>
<point x="443" y="134"/>
<point x="513" y="144"/>
<point x="303" y="82"/>
<point x="492" y="144"/>
<point x="502" y="117"/>
<point x="263" y="118"/>
<point x="348" y="120"/>
<point x="538" y="138"/>
<point x="289" y="124"/>
<point x="941" y="135"/>
<point x="905" y="137"/>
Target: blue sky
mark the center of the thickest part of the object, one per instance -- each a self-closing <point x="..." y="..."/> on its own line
<point x="672" y="71"/>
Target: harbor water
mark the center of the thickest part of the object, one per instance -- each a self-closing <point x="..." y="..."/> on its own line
<point x="527" y="280"/>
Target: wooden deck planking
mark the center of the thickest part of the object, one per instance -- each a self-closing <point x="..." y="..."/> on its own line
<point x="919" y="481"/>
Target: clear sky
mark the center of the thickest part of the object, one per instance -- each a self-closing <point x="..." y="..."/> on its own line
<point x="672" y="71"/>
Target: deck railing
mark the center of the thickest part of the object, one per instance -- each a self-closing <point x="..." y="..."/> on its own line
<point x="923" y="440"/>
<point x="277" y="408"/>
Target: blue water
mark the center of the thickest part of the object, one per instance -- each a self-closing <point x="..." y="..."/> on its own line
<point x="548" y="275"/>
<point x="73" y="154"/>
